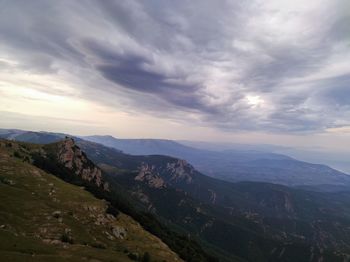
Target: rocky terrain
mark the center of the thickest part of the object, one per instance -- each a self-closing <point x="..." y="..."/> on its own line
<point x="245" y="221"/>
<point x="74" y="159"/>
<point x="43" y="218"/>
<point x="278" y="222"/>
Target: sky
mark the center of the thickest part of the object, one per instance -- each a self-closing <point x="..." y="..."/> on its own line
<point x="259" y="71"/>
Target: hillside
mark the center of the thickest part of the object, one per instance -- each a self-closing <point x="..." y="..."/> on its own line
<point x="277" y="222"/>
<point x="229" y="220"/>
<point x="44" y="218"/>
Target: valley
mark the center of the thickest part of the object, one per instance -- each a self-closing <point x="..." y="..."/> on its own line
<point x="226" y="219"/>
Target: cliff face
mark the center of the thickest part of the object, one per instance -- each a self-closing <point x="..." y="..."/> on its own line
<point x="180" y="171"/>
<point x="170" y="173"/>
<point x="67" y="161"/>
<point x="72" y="157"/>
<point x="149" y="175"/>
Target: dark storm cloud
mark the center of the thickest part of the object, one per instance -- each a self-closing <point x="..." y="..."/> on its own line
<point x="262" y="65"/>
<point x="128" y="73"/>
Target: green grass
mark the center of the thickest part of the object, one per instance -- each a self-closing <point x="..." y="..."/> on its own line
<point x="38" y="211"/>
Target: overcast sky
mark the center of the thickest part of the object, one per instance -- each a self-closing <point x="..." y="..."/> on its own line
<point x="263" y="71"/>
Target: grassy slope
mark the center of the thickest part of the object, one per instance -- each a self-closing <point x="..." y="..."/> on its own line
<point x="30" y="230"/>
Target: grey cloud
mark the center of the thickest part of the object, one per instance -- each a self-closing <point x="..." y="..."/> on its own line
<point x="287" y="62"/>
<point x="129" y="71"/>
<point x="340" y="29"/>
<point x="335" y="91"/>
<point x="38" y="33"/>
<point x="168" y="58"/>
<point x="130" y="74"/>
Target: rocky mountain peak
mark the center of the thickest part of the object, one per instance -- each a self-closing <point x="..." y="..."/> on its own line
<point x="181" y="170"/>
<point x="72" y="157"/>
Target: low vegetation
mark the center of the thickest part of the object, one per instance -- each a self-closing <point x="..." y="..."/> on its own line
<point x="43" y="218"/>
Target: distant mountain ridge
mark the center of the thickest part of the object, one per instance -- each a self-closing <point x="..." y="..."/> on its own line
<point x="31" y="136"/>
<point x="142" y="146"/>
<point x="230" y="165"/>
<point x="234" y="165"/>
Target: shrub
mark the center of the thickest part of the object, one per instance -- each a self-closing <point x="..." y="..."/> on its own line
<point x="17" y="154"/>
<point x="66" y="238"/>
<point x="99" y="245"/>
<point x="133" y="256"/>
<point x="112" y="210"/>
<point x="146" y="257"/>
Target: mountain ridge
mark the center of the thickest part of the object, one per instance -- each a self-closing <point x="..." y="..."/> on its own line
<point x="44" y="218"/>
<point x="234" y="166"/>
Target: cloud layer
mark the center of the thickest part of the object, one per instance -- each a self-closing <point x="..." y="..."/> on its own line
<point x="276" y="65"/>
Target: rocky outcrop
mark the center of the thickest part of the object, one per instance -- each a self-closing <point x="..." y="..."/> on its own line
<point x="73" y="158"/>
<point x="118" y="232"/>
<point x="158" y="176"/>
<point x="149" y="175"/>
<point x="180" y="171"/>
<point x="278" y="200"/>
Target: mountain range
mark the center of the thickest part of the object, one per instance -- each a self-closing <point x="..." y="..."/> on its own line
<point x="275" y="221"/>
<point x="236" y="165"/>
<point x="229" y="165"/>
<point x="200" y="218"/>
